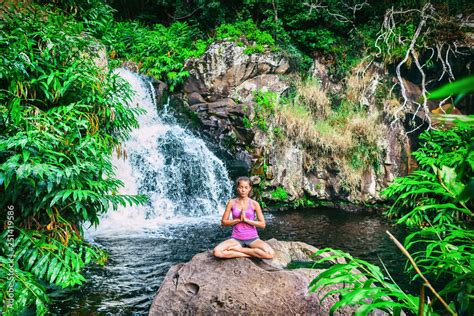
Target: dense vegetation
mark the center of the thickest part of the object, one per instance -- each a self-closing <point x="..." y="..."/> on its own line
<point x="342" y="31"/>
<point x="63" y="112"/>
<point x="61" y="117"/>
<point x="437" y="199"/>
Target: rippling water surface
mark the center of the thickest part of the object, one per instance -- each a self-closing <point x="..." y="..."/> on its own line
<point x="138" y="263"/>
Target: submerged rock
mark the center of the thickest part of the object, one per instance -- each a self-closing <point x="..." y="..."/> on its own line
<point x="207" y="285"/>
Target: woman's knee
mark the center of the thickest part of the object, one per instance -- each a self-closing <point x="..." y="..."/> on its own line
<point x="217" y="252"/>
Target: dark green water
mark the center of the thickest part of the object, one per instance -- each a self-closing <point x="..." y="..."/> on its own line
<point x="138" y="264"/>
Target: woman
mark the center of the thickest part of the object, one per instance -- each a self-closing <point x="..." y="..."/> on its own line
<point x="244" y="230"/>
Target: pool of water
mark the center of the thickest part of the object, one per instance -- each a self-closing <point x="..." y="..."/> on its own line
<point x="138" y="263"/>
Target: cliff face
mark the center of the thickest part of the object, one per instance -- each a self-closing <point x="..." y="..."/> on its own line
<point x="220" y="95"/>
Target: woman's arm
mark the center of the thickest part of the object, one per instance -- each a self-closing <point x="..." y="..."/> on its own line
<point x="261" y="221"/>
<point x="225" y="221"/>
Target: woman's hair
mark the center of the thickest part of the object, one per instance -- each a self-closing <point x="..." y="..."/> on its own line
<point x="246" y="179"/>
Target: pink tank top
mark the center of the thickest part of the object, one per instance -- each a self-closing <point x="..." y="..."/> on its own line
<point x="243" y="230"/>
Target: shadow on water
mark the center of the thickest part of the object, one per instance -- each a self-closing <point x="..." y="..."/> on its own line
<point x="138" y="264"/>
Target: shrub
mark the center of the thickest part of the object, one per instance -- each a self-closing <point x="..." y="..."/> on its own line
<point x="62" y="116"/>
<point x="246" y="33"/>
<point x="432" y="195"/>
<point x="364" y="285"/>
<point x="159" y="51"/>
<point x="263" y="109"/>
<point x="280" y="194"/>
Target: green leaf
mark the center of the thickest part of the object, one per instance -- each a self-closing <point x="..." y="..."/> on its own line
<point x="26" y="155"/>
<point x="31" y="259"/>
<point x="57" y="269"/>
<point x="463" y="86"/>
<point x="466" y="194"/>
<point x="56" y="198"/>
<point x="52" y="266"/>
<point x="49" y="186"/>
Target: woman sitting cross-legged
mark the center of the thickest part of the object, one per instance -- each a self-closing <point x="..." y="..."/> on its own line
<point x="244" y="241"/>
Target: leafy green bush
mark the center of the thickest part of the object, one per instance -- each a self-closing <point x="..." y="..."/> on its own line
<point x="61" y="117"/>
<point x="95" y="15"/>
<point x="159" y="51"/>
<point x="437" y="195"/>
<point x="433" y="194"/>
<point x="263" y="108"/>
<point x="364" y="285"/>
<point x="246" y="33"/>
<point x="40" y="258"/>
<point x="27" y="291"/>
<point x="280" y="194"/>
<point x="446" y="254"/>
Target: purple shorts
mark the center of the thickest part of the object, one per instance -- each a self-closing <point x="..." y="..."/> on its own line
<point x="245" y="242"/>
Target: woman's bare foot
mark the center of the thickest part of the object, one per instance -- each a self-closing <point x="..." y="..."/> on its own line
<point x="234" y="248"/>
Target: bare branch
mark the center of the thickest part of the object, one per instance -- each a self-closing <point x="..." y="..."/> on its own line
<point x="423" y="89"/>
<point x="450" y="71"/>
<point x="410" y="51"/>
<point x="356" y="7"/>
<point x="314" y="6"/>
<point x="317" y="5"/>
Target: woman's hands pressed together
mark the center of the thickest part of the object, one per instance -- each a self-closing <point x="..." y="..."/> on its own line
<point x="242" y="217"/>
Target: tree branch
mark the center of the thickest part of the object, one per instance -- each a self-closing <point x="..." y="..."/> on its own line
<point x="427" y="283"/>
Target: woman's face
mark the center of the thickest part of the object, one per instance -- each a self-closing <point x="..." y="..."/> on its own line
<point x="243" y="189"/>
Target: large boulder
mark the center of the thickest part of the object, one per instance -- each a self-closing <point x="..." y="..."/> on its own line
<point x="218" y="92"/>
<point x="207" y="285"/>
<point x="225" y="66"/>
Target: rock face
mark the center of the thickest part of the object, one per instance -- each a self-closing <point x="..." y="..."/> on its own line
<point x="207" y="285"/>
<point x="224" y="67"/>
<point x="219" y="94"/>
<point x="219" y="90"/>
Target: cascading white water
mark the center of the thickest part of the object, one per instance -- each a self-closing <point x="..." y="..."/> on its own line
<point x="184" y="180"/>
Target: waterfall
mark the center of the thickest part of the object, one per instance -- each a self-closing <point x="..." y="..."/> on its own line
<point x="184" y="181"/>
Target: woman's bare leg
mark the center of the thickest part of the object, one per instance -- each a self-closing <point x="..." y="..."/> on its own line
<point x="229" y="248"/>
<point x="259" y="249"/>
<point x="251" y="252"/>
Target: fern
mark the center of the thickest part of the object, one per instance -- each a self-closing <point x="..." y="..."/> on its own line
<point x="39" y="256"/>
<point x="26" y="290"/>
<point x="434" y="194"/>
<point x="62" y="117"/>
<point x="364" y="285"/>
<point x="447" y="253"/>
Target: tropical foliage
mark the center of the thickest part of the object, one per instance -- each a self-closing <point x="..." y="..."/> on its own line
<point x="434" y="193"/>
<point x="342" y="31"/>
<point x="158" y="50"/>
<point x="446" y="254"/>
<point x="61" y="115"/>
<point x="437" y="198"/>
<point x="246" y="33"/>
<point x="365" y="285"/>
